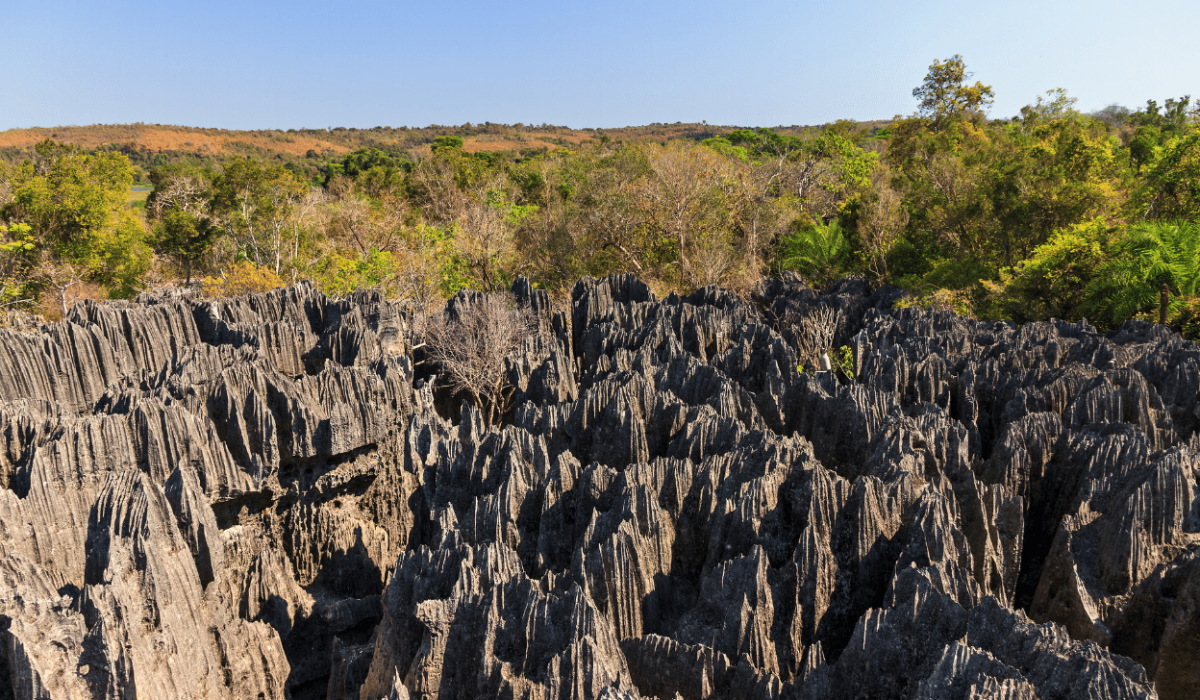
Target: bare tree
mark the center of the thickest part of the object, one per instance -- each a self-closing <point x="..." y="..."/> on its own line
<point x="188" y="193"/>
<point x="714" y="257"/>
<point x="351" y="222"/>
<point x="777" y="174"/>
<point x="59" y="275"/>
<point x="262" y="210"/>
<point x="955" y="218"/>
<point x="883" y="220"/>
<point x="417" y="255"/>
<point x="471" y="343"/>
<point x="5" y="187"/>
<point x="680" y="198"/>
<point x="439" y="196"/>
<point x="484" y="237"/>
<point x="812" y="332"/>
<point x="553" y="244"/>
<point x="615" y="215"/>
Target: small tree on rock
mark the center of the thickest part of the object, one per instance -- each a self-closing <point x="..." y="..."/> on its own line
<point x="471" y="344"/>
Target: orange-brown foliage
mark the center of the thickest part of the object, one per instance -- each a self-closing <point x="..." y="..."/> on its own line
<point x="477" y="145"/>
<point x="296" y="144"/>
<point x="170" y="138"/>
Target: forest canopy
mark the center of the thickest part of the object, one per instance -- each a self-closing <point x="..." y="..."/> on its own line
<point x="1048" y="213"/>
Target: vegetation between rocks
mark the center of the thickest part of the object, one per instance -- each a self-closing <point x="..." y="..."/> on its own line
<point x="1049" y="213"/>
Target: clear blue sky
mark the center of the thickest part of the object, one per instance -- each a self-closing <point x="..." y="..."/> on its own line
<point x="259" y="65"/>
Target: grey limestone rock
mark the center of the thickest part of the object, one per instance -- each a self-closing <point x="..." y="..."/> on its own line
<point x="271" y="496"/>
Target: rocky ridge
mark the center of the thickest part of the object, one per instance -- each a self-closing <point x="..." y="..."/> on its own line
<point x="272" y="496"/>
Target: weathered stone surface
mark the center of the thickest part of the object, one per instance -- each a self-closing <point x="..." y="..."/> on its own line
<point x="258" y="497"/>
<point x="151" y="630"/>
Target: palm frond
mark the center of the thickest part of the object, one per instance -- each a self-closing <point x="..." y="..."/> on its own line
<point x="1150" y="255"/>
<point x="818" y="251"/>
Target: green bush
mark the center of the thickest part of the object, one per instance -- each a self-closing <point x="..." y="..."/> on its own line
<point x="817" y="251"/>
<point x="907" y="264"/>
<point x="1147" y="258"/>
<point x="340" y="275"/>
<point x="1105" y="274"/>
<point x="1054" y="280"/>
<point x="243" y="278"/>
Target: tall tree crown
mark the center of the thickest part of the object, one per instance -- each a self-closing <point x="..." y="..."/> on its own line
<point x="945" y="95"/>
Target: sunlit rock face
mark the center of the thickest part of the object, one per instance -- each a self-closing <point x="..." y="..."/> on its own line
<point x="275" y="496"/>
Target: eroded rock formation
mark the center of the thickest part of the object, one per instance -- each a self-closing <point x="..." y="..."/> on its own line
<point x="272" y="496"/>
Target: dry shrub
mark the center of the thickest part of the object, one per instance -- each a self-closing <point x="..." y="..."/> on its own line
<point x="811" y="332"/>
<point x="714" y="259"/>
<point x="53" y="306"/>
<point x="882" y="221"/>
<point x="471" y="344"/>
<point x="243" y="278"/>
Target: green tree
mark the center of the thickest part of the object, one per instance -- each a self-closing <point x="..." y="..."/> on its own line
<point x="338" y="275"/>
<point x="183" y="236"/>
<point x="987" y="195"/>
<point x="258" y="208"/>
<point x="1062" y="172"/>
<point x="362" y="160"/>
<point x="446" y="142"/>
<point x="1107" y="274"/>
<point x="944" y="176"/>
<point x="1054" y="280"/>
<point x="18" y="256"/>
<point x="1173" y="118"/>
<point x="1055" y="105"/>
<point x="850" y="167"/>
<point x="74" y="203"/>
<point x="382" y="183"/>
<point x="1170" y="188"/>
<point x="69" y="197"/>
<point x="945" y="96"/>
<point x="1146" y="139"/>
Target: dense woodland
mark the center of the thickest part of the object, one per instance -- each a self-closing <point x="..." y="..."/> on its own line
<point x="1050" y="213"/>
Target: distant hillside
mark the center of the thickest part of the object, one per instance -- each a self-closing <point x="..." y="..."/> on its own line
<point x="166" y="139"/>
<point x="148" y="145"/>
